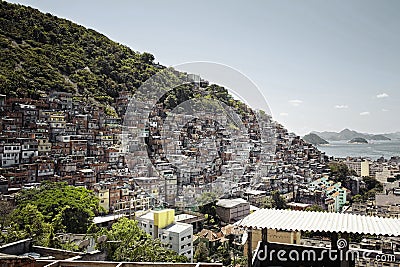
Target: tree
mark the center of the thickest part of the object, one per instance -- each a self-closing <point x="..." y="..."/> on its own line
<point x="267" y="204"/>
<point x="71" y="207"/>
<point x="207" y="205"/>
<point x="315" y="208"/>
<point x="240" y="262"/>
<point x="341" y="172"/>
<point x="127" y="242"/>
<point x="28" y="222"/>
<point x="357" y="198"/>
<point x="201" y="253"/>
<point x="147" y="57"/>
<point x="5" y="211"/>
<point x="278" y="201"/>
<point x="372" y="186"/>
<point x="207" y="198"/>
<point x="372" y="183"/>
<point x="223" y="255"/>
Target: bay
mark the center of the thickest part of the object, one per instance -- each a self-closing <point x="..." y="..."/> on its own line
<point x="372" y="150"/>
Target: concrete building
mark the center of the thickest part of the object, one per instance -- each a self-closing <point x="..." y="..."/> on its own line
<point x="232" y="210"/>
<point x="10" y="154"/>
<point x="360" y="166"/>
<point x="388" y="172"/>
<point x="195" y="219"/>
<point x="334" y="190"/>
<point x="176" y="235"/>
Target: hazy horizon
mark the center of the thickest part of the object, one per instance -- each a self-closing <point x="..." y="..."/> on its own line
<point x="322" y="66"/>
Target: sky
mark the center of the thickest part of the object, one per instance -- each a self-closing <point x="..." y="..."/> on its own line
<point x="321" y="65"/>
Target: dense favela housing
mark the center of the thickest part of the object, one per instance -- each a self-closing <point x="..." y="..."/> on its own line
<point x="79" y="189"/>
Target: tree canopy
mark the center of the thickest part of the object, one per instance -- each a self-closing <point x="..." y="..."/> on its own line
<point x="315" y="208"/>
<point x="41" y="51"/>
<point x="70" y="209"/>
<point x="275" y="201"/>
<point x="201" y="253"/>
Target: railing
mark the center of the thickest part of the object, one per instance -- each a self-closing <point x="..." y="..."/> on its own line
<point x="67" y="263"/>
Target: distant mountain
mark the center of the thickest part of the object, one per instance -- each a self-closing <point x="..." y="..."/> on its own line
<point x="347" y="134"/>
<point x="379" y="137"/>
<point x="314" y="139"/>
<point x="395" y="135"/>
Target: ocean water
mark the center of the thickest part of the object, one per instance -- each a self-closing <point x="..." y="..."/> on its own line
<point x="373" y="150"/>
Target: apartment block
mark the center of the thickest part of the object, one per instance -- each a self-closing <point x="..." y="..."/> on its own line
<point x="232" y="210"/>
<point x="176" y="235"/>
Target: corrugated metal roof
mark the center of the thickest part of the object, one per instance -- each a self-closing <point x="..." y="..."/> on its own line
<point x="291" y="220"/>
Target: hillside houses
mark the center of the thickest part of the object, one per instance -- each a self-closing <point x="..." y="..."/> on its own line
<point x="172" y="161"/>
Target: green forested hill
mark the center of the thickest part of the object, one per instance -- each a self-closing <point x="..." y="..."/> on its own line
<point x="314" y="139"/>
<point x="40" y="52"/>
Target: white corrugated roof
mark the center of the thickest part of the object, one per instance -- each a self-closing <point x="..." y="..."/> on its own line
<point x="291" y="220"/>
<point x="108" y="218"/>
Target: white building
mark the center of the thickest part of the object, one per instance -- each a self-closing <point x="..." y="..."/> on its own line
<point x="9" y="154"/>
<point x="161" y="224"/>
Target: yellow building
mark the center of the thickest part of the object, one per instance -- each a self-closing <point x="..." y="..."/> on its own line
<point x="104" y="199"/>
<point x="163" y="218"/>
<point x="365" y="168"/>
<point x="361" y="167"/>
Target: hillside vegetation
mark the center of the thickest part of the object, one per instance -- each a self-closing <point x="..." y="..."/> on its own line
<point x="40" y="53"/>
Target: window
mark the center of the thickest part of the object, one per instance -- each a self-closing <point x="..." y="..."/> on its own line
<point x="183" y="238"/>
<point x="170" y="238"/>
<point x="151" y="226"/>
<point x="183" y="246"/>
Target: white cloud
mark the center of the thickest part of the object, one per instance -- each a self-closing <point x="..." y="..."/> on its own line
<point x="383" y="95"/>
<point x="365" y="113"/>
<point x="295" y="102"/>
<point x="385" y="110"/>
<point x="283" y="114"/>
<point x="341" y="106"/>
